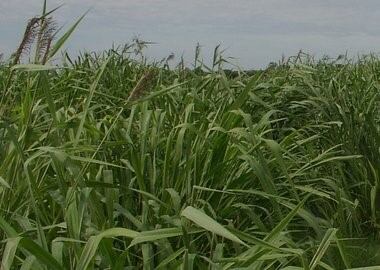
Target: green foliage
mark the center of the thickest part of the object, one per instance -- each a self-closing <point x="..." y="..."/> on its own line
<point x="275" y="169"/>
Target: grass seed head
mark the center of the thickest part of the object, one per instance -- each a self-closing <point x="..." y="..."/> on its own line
<point x="142" y="85"/>
<point x="30" y="34"/>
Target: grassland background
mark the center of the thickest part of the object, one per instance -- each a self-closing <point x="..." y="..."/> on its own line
<point x="111" y="162"/>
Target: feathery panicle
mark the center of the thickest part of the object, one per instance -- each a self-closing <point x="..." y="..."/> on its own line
<point x="42" y="29"/>
<point x="46" y="53"/>
<point x="46" y="34"/>
<point x="142" y="85"/>
<point x="28" y="38"/>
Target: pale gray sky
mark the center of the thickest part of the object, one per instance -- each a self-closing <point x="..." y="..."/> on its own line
<point x="255" y="32"/>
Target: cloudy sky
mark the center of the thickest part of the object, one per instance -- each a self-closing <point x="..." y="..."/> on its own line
<point x="255" y="32"/>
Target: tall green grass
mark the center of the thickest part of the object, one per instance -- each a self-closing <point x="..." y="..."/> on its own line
<point x="108" y="162"/>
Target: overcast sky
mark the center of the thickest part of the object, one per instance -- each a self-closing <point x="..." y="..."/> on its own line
<point x="255" y="32"/>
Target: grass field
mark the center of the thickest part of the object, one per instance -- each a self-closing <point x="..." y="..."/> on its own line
<point x="108" y="162"/>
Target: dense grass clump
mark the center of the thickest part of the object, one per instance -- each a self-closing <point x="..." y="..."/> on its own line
<point x="107" y="162"/>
